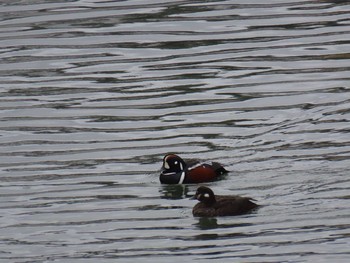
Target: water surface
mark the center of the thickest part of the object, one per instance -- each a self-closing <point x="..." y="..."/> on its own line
<point x="95" y="93"/>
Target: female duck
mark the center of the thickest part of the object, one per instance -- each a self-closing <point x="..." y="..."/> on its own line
<point x="220" y="205"/>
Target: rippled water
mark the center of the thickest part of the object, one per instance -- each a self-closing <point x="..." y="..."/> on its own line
<point x="94" y="93"/>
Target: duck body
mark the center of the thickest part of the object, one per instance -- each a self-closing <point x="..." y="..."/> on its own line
<point x="176" y="171"/>
<point x="211" y="205"/>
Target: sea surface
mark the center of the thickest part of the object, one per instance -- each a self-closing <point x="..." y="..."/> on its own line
<point x="94" y="93"/>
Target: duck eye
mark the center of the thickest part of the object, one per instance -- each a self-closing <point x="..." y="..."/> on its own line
<point x="206" y="195"/>
<point x="176" y="162"/>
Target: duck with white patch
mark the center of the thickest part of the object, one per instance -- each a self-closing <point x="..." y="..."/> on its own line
<point x="177" y="171"/>
<point x="211" y="205"/>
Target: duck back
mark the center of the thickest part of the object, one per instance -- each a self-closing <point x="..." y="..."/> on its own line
<point x="225" y="206"/>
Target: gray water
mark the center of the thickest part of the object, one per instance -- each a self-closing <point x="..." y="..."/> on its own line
<point x="93" y="94"/>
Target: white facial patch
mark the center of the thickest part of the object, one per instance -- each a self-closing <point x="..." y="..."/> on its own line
<point x="206" y="195"/>
<point x="166" y="165"/>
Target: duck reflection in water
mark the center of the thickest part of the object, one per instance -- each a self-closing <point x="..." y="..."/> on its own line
<point x="174" y="191"/>
<point x="206" y="223"/>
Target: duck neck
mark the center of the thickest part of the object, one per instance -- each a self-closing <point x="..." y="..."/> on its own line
<point x="210" y="201"/>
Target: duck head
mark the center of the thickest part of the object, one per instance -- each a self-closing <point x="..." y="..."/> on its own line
<point x="205" y="195"/>
<point x="172" y="164"/>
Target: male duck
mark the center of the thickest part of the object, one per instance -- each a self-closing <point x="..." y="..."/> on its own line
<point x="176" y="171"/>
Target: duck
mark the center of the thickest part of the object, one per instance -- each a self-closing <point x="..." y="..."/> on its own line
<point x="211" y="205"/>
<point x="177" y="171"/>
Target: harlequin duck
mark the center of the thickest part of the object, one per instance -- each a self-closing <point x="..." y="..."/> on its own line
<point x="220" y="205"/>
<point x="176" y="171"/>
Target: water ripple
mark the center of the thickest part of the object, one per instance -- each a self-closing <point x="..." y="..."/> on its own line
<point x="95" y="93"/>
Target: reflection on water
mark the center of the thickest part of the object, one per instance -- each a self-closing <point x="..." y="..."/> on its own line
<point x="173" y="191"/>
<point x="95" y="93"/>
<point x="207" y="223"/>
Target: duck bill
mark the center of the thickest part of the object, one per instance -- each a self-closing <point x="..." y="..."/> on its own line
<point x="193" y="197"/>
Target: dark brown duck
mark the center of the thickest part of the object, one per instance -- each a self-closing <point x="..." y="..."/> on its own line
<point x="221" y="205"/>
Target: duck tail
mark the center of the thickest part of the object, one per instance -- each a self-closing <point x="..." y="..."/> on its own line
<point x="219" y="169"/>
